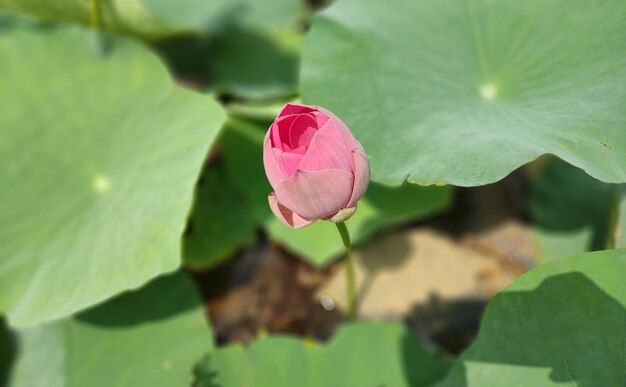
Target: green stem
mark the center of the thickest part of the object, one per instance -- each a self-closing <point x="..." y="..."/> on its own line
<point x="350" y="282"/>
<point x="96" y="15"/>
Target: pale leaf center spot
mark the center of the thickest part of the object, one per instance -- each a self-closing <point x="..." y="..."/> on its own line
<point x="101" y="183"/>
<point x="489" y="91"/>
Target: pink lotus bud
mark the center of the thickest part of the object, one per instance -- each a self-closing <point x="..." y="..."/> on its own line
<point x="316" y="167"/>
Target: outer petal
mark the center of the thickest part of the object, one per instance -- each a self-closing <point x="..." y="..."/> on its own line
<point x="344" y="132"/>
<point x="285" y="215"/>
<point x="361" y="175"/>
<point x="316" y="194"/>
<point x="288" y="162"/>
<point x="272" y="169"/>
<point x="326" y="151"/>
<point x="295" y="108"/>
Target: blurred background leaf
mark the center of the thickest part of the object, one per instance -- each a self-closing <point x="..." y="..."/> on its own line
<point x="562" y="322"/>
<point x="254" y="65"/>
<point x="124" y="16"/>
<point x="148" y="337"/>
<point x="155" y="19"/>
<point x="221" y="221"/>
<point x="464" y="92"/>
<point x="238" y="63"/>
<point x="570" y="211"/>
<point x="360" y="354"/>
<point x="99" y="157"/>
<point x="201" y="15"/>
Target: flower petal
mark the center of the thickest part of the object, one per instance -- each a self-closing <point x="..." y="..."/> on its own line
<point x="280" y="131"/>
<point x="316" y="194"/>
<point x="320" y="117"/>
<point x="361" y="175"/>
<point x="327" y="151"/>
<point x="344" y="132"/>
<point x="285" y="215"/>
<point x="289" y="162"/>
<point x="294" y="108"/>
<point x="302" y="130"/>
<point x="273" y="171"/>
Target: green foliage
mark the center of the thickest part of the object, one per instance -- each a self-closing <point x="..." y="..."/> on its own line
<point x="231" y="199"/>
<point x="463" y="92"/>
<point x="199" y="15"/>
<point x="125" y="16"/>
<point x="562" y="322"/>
<point x="149" y="337"/>
<point x="570" y="210"/>
<point x="155" y="19"/>
<point x="99" y="157"/>
<point x="255" y="65"/>
<point x="361" y="354"/>
<point x="220" y="222"/>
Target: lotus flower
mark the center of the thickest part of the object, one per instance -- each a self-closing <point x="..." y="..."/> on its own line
<point x="317" y="168"/>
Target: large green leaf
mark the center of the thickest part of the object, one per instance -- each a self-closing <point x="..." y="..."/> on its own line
<point x="570" y="211"/>
<point x="381" y="208"/>
<point x="99" y="154"/>
<point x="361" y="354"/>
<point x="562" y="322"/>
<point x="465" y="91"/>
<point x="149" y="337"/>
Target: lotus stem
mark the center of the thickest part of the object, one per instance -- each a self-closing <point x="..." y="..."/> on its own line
<point x="351" y="307"/>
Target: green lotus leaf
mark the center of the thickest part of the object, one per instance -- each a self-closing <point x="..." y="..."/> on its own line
<point x="360" y="354"/>
<point x="465" y="91"/>
<point x="99" y="154"/>
<point x="560" y="323"/>
<point x="148" y="337"/>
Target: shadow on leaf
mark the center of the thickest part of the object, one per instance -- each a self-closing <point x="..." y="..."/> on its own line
<point x="567" y="325"/>
<point x="162" y="298"/>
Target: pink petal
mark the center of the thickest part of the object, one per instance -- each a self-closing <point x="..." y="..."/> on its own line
<point x="285" y="215"/>
<point x="320" y="117"/>
<point x="289" y="162"/>
<point x="344" y="132"/>
<point x="316" y="194"/>
<point x="302" y="130"/>
<point x="299" y="150"/>
<point x="270" y="156"/>
<point x="327" y="151"/>
<point x="280" y="131"/>
<point x="294" y="108"/>
<point x="361" y="175"/>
